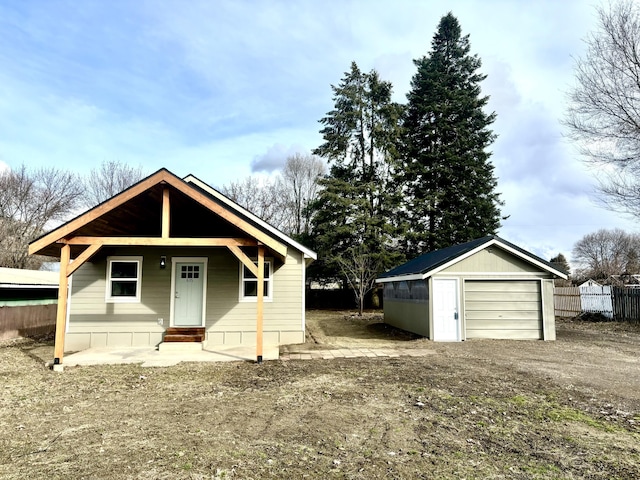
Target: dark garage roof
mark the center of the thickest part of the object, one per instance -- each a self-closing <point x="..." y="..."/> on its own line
<point x="430" y="261"/>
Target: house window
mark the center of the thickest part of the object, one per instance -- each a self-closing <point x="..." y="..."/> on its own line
<point x="124" y="276"/>
<point x="249" y="284"/>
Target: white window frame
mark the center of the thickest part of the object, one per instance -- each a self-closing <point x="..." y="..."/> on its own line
<point x="269" y="281"/>
<point x="108" y="298"/>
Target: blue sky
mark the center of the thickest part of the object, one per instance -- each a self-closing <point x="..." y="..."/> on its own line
<point x="222" y="89"/>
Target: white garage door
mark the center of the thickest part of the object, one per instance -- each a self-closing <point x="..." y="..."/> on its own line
<point x="503" y="309"/>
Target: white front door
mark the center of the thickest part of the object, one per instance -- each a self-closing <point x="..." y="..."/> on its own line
<point x="446" y="320"/>
<point x="188" y="293"/>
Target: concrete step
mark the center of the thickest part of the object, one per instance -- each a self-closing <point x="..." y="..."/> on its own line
<point x="179" y="347"/>
<point x="183" y="338"/>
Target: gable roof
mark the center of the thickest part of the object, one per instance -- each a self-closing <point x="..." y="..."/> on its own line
<point x="209" y="190"/>
<point x="431" y="263"/>
<point x="135" y="212"/>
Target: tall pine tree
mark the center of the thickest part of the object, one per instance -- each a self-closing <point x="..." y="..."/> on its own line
<point x="446" y="175"/>
<point x="352" y="212"/>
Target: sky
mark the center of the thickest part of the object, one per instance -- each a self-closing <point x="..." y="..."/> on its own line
<point x="225" y="89"/>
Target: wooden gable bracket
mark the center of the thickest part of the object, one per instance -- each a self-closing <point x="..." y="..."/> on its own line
<point x="274" y="245"/>
<point x="59" y="234"/>
<point x="258" y="271"/>
<point x="244" y="259"/>
<point x="166" y="179"/>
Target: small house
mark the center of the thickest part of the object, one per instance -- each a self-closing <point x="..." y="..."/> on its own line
<point x="486" y="288"/>
<point x="170" y="261"/>
<point x="590" y="283"/>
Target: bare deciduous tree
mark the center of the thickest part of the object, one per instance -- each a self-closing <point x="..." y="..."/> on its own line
<point x="111" y="178"/>
<point x="607" y="252"/>
<point x="263" y="198"/>
<point x="604" y="113"/>
<point x="300" y="177"/>
<point x="30" y="202"/>
<point x="360" y="268"/>
<point x="283" y="200"/>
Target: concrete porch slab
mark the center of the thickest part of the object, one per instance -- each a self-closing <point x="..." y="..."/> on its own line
<point x="151" y="357"/>
<point x="180" y="347"/>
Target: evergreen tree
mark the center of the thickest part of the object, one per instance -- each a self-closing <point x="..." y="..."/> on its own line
<point x="352" y="212"/>
<point x="561" y="262"/>
<point x="446" y="176"/>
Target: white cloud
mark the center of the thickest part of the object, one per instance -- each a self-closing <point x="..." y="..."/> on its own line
<point x="275" y="157"/>
<point x="228" y="88"/>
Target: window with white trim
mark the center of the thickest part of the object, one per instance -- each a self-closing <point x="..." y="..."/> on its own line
<point x="249" y="283"/>
<point x="124" y="275"/>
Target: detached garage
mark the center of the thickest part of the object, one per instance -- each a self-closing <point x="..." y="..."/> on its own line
<point x="486" y="288"/>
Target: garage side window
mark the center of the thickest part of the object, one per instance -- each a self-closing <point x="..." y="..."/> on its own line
<point x="124" y="277"/>
<point x="403" y="290"/>
<point x="419" y="290"/>
<point x="388" y="292"/>
<point x="414" y="290"/>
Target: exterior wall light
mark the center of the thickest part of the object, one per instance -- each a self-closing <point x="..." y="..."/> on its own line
<point x="163" y="262"/>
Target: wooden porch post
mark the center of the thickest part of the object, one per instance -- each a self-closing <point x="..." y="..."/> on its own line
<point x="61" y="318"/>
<point x="260" y="303"/>
<point x="166" y="209"/>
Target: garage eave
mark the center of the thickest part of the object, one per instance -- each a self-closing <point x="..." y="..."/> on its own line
<point x="401" y="278"/>
<point x="431" y="263"/>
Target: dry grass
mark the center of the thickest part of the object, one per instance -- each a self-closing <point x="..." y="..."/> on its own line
<point x="488" y="409"/>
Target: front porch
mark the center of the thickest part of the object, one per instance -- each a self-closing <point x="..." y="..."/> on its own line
<point x="159" y="212"/>
<point x="152" y="357"/>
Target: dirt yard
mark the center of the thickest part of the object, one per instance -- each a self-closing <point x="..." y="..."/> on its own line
<point x="479" y="409"/>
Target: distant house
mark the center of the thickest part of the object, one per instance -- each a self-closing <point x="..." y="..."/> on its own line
<point x="625" y="280"/>
<point x="486" y="288"/>
<point x="27" y="302"/>
<point x="173" y="260"/>
<point x="596" y="298"/>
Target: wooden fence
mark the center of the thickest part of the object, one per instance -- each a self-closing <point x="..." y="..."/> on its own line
<point x="626" y="304"/>
<point x="617" y="303"/>
<point x="567" y="301"/>
<point x="27" y="320"/>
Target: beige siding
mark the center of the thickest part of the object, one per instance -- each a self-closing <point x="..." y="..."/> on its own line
<point x="501" y="296"/>
<point x="89" y="289"/>
<point x="412" y="316"/>
<point x="496" y="261"/>
<point x="503" y="309"/>
<point x="549" y="313"/>
<point x="93" y="322"/>
<point x="96" y="323"/>
<point x="230" y="320"/>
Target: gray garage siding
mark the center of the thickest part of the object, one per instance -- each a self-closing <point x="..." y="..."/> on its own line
<point x="510" y="309"/>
